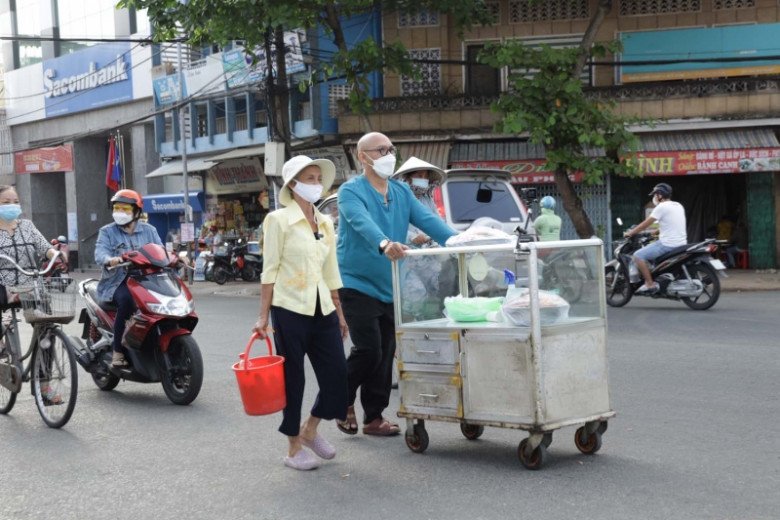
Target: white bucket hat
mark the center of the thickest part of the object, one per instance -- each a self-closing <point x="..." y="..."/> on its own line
<point x="295" y="165"/>
<point x="413" y="164"/>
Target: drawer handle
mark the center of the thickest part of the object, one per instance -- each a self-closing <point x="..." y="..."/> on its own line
<point x="429" y="396"/>
<point x="427" y="352"/>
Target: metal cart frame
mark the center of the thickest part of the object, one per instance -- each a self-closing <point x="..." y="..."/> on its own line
<point x="538" y="378"/>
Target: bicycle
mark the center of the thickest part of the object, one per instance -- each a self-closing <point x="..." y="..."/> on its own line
<point x="46" y="304"/>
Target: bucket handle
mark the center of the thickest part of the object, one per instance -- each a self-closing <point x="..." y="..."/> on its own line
<point x="254" y="337"/>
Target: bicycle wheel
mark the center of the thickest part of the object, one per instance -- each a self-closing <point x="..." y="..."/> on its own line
<point x="12" y="375"/>
<point x="54" y="378"/>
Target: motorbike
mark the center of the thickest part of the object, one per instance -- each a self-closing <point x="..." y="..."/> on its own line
<point x="687" y="273"/>
<point x="158" y="336"/>
<point x="234" y="262"/>
<point x="60" y="267"/>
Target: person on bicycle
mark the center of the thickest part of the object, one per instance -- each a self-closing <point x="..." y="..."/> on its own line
<point x="670" y="216"/>
<point x="20" y="240"/>
<point x="127" y="233"/>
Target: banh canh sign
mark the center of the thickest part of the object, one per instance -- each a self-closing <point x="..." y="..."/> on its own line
<point x="91" y="78"/>
<point x="741" y="46"/>
<point x="524" y="171"/>
<point x="236" y="176"/>
<point x="699" y="162"/>
<point x="49" y="159"/>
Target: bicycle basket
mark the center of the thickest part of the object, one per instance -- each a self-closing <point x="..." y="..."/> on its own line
<point x="51" y="300"/>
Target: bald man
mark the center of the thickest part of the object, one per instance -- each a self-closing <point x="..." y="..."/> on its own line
<point x="374" y="216"/>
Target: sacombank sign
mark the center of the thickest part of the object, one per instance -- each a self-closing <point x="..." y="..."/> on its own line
<point x="89" y="79"/>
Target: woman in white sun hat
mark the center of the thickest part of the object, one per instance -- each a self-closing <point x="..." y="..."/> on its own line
<point x="422" y="177"/>
<point x="300" y="285"/>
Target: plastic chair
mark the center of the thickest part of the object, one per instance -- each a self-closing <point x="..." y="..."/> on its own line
<point x="742" y="259"/>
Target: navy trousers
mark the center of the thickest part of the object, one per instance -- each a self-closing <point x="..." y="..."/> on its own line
<point x="125" y="306"/>
<point x="297" y="335"/>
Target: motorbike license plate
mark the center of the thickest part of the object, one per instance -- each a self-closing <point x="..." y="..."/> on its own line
<point x="717" y="264"/>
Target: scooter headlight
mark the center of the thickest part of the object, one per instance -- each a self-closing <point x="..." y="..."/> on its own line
<point x="171" y="305"/>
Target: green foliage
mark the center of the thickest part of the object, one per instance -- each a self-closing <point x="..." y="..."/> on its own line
<point x="546" y="101"/>
<point x="206" y="22"/>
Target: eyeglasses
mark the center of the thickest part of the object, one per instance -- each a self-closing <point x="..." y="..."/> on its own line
<point x="126" y="208"/>
<point x="383" y="150"/>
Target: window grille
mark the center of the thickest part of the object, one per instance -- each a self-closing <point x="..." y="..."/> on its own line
<point x="494" y="8"/>
<point x="335" y="94"/>
<point x="524" y="11"/>
<point x="560" y="42"/>
<point x="430" y="74"/>
<point x="733" y="4"/>
<point x="639" y="7"/>
<point x="421" y="18"/>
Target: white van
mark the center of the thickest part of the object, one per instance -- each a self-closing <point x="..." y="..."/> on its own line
<point x="468" y="194"/>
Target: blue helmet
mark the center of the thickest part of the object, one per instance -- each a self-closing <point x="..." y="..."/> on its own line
<point x="547" y="202"/>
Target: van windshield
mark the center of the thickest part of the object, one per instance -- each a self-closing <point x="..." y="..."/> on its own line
<point x="464" y="206"/>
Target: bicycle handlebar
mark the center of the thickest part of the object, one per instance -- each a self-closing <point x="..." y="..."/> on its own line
<point x="34" y="272"/>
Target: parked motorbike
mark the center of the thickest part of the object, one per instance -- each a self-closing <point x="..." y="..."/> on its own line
<point x="687" y="273"/>
<point x="234" y="262"/>
<point x="158" y="337"/>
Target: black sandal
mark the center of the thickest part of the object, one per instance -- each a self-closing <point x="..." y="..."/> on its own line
<point x="350" y="425"/>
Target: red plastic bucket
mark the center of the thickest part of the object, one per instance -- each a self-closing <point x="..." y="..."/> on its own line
<point x="260" y="380"/>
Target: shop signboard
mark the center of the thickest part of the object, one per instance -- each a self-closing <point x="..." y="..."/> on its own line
<point x="335" y="154"/>
<point x="88" y="79"/>
<point x="200" y="269"/>
<point x="700" y="162"/>
<point x="49" y="159"/>
<point x="743" y="50"/>
<point x="524" y="171"/>
<point x="243" y="175"/>
<point x="166" y="90"/>
<point x="165" y="203"/>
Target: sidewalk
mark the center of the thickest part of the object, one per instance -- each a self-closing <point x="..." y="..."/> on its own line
<point x="737" y="280"/>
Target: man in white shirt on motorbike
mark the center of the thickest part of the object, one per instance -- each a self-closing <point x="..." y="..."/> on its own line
<point x="670" y="216"/>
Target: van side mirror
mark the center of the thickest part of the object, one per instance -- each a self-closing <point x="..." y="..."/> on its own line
<point x="484" y="195"/>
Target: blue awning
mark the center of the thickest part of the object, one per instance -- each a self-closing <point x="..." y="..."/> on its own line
<point x="171" y="203"/>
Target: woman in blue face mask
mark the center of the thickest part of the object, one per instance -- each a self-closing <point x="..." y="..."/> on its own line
<point x="20" y="240"/>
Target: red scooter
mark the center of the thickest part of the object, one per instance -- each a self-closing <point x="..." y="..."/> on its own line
<point x="158" y="336"/>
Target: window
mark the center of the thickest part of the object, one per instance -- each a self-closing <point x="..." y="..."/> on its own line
<point x="335" y="94"/>
<point x="419" y="19"/>
<point x="524" y="11"/>
<point x="494" y="8"/>
<point x="559" y="42"/>
<point x="639" y="7"/>
<point x="28" y="23"/>
<point x="84" y="19"/>
<point x="481" y="80"/>
<point x="466" y="206"/>
<point x="430" y="73"/>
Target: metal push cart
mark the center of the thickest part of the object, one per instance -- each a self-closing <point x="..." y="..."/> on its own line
<point x="545" y="374"/>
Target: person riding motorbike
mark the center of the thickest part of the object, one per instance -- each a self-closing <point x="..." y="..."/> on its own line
<point x="127" y="233"/>
<point x="548" y="224"/>
<point x="670" y="216"/>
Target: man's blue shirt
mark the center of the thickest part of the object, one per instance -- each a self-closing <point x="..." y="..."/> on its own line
<point x="113" y="241"/>
<point x="365" y="220"/>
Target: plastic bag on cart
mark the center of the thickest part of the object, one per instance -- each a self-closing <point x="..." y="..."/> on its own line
<point x="420" y="286"/>
<point x="463" y="309"/>
<point x="517" y="308"/>
<point x="479" y="235"/>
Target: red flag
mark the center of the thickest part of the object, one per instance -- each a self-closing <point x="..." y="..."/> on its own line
<point x="111" y="180"/>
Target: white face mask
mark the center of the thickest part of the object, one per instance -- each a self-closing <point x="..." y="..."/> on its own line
<point x="384" y="166"/>
<point x="122" y="218"/>
<point x="656" y="200"/>
<point x="420" y="183"/>
<point x="308" y="192"/>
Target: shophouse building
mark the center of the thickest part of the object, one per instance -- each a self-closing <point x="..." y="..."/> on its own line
<point x="715" y="138"/>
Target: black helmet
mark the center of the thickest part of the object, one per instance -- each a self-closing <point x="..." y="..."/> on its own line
<point x="663" y="189"/>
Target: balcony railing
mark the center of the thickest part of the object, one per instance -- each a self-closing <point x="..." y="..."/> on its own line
<point x="630" y="92"/>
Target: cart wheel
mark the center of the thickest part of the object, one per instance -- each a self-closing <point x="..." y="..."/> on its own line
<point x="536" y="458"/>
<point x="602" y="427"/>
<point x="417" y="439"/>
<point x="587" y="445"/>
<point x="472" y="431"/>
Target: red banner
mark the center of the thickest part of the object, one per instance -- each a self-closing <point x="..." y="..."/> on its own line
<point x="524" y="171"/>
<point x="51" y="159"/>
<point x="701" y="162"/>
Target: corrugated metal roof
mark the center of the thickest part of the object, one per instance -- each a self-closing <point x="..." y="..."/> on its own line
<point x="709" y="140"/>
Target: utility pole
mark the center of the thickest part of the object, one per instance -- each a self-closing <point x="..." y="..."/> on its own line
<point x="183" y="130"/>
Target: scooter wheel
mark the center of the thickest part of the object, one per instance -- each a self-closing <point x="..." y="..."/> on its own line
<point x="105" y="382"/>
<point x="220" y="276"/>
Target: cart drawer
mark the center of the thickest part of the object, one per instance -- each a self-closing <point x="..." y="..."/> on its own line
<point x="431" y="394"/>
<point x="429" y="348"/>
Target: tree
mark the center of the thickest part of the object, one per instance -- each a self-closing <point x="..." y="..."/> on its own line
<point x="546" y="100"/>
<point x="255" y="22"/>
